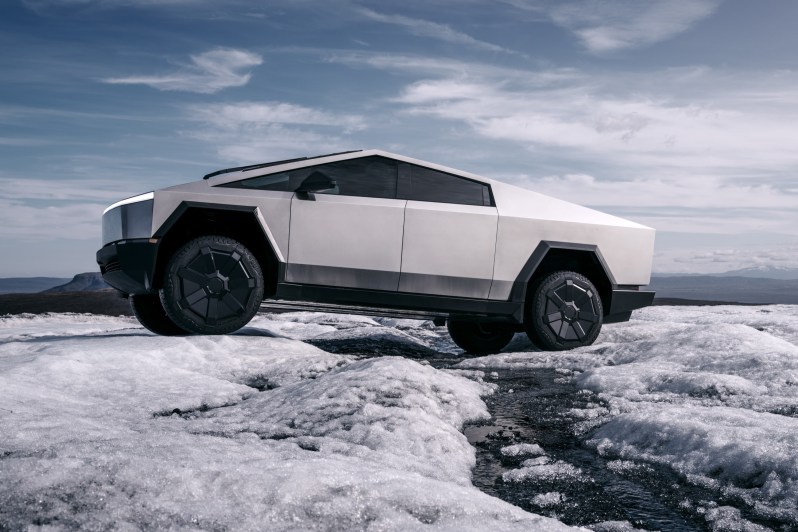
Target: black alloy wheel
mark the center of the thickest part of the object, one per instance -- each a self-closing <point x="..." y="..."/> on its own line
<point x="212" y="285"/>
<point x="150" y="312"/>
<point x="479" y="337"/>
<point x="565" y="312"/>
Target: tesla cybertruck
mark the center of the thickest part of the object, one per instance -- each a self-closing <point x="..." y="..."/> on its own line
<point x="375" y="233"/>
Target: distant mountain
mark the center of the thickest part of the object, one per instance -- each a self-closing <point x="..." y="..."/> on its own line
<point x="766" y="272"/>
<point x="82" y="282"/>
<point x="731" y="289"/>
<point x="759" y="272"/>
<point x="22" y="285"/>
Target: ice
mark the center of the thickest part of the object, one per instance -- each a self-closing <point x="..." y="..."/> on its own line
<point x="747" y="454"/>
<point x="521" y="449"/>
<point x="729" y="519"/>
<point x="543" y="468"/>
<point x="615" y="526"/>
<point x="710" y="392"/>
<point x="105" y="425"/>
<point x="548" y="499"/>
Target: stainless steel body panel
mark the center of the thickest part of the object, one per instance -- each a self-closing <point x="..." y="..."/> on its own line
<point x="448" y="249"/>
<point x="334" y="239"/>
<point x="526" y="218"/>
<point x="273" y="208"/>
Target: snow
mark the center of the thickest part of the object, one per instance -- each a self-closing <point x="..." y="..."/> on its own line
<point x="544" y="468"/>
<point x="710" y="392"/>
<point x="108" y="426"/>
<point x="521" y="449"/>
<point x="104" y="424"/>
<point x="548" y="499"/>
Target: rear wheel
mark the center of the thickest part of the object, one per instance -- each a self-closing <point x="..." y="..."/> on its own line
<point x="479" y="337"/>
<point x="148" y="310"/>
<point x="564" y="312"/>
<point x="212" y="285"/>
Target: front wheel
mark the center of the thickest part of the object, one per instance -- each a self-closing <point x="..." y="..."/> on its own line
<point x="149" y="311"/>
<point x="564" y="312"/>
<point x="212" y="285"/>
<point x="478" y="337"/>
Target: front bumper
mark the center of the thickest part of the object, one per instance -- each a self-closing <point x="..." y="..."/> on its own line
<point x="624" y="302"/>
<point x="129" y="265"/>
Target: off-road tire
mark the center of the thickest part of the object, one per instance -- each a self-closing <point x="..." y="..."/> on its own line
<point x="564" y="312"/>
<point x="149" y="311"/>
<point x="479" y="338"/>
<point x="212" y="285"/>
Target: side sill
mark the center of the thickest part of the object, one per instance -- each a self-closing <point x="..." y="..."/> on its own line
<point x="460" y="307"/>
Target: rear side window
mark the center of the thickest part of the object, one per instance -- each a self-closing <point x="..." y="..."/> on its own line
<point x="372" y="177"/>
<point x="424" y="184"/>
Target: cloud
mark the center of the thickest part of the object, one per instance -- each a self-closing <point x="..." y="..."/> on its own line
<point x="684" y="150"/>
<point x="208" y="73"/>
<point x="231" y="115"/>
<point x="433" y="30"/>
<point x="260" y="131"/>
<point x="72" y="221"/>
<point x="26" y="189"/>
<point x="609" y="25"/>
<point x="696" y="123"/>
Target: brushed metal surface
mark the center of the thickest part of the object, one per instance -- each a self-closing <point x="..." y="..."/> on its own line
<point x="337" y="276"/>
<point x="448" y="249"/>
<point x="345" y="232"/>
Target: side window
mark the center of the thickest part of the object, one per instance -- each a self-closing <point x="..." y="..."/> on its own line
<point x="426" y="184"/>
<point x="373" y="177"/>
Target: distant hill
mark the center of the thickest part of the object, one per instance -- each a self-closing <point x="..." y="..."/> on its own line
<point x="82" y="282"/>
<point x="766" y="272"/>
<point x="731" y="289"/>
<point x="21" y="285"/>
<point x="760" y="272"/>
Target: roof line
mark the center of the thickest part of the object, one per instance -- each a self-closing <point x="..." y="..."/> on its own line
<point x="274" y="163"/>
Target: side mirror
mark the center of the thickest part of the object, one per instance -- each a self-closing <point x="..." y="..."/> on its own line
<point x="316" y="182"/>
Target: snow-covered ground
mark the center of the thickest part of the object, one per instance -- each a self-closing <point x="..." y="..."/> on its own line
<point x="711" y="392"/>
<point x="105" y="425"/>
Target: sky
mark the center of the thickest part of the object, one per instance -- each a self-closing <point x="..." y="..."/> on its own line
<point x="678" y="114"/>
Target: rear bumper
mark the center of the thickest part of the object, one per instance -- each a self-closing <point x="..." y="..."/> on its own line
<point x="624" y="302"/>
<point x="129" y="265"/>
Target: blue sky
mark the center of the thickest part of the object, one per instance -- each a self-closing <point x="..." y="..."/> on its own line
<point x="682" y="115"/>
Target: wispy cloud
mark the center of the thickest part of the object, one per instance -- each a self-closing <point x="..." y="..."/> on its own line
<point x="27" y="189"/>
<point x="259" y="131"/>
<point x="233" y="115"/>
<point x="659" y="121"/>
<point x="433" y="30"/>
<point x="71" y="221"/>
<point x="208" y="73"/>
<point x="609" y="25"/>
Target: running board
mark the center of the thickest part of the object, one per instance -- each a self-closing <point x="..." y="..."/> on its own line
<point x="278" y="306"/>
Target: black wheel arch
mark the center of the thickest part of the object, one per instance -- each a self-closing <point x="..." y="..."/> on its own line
<point x="193" y="219"/>
<point x="549" y="257"/>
